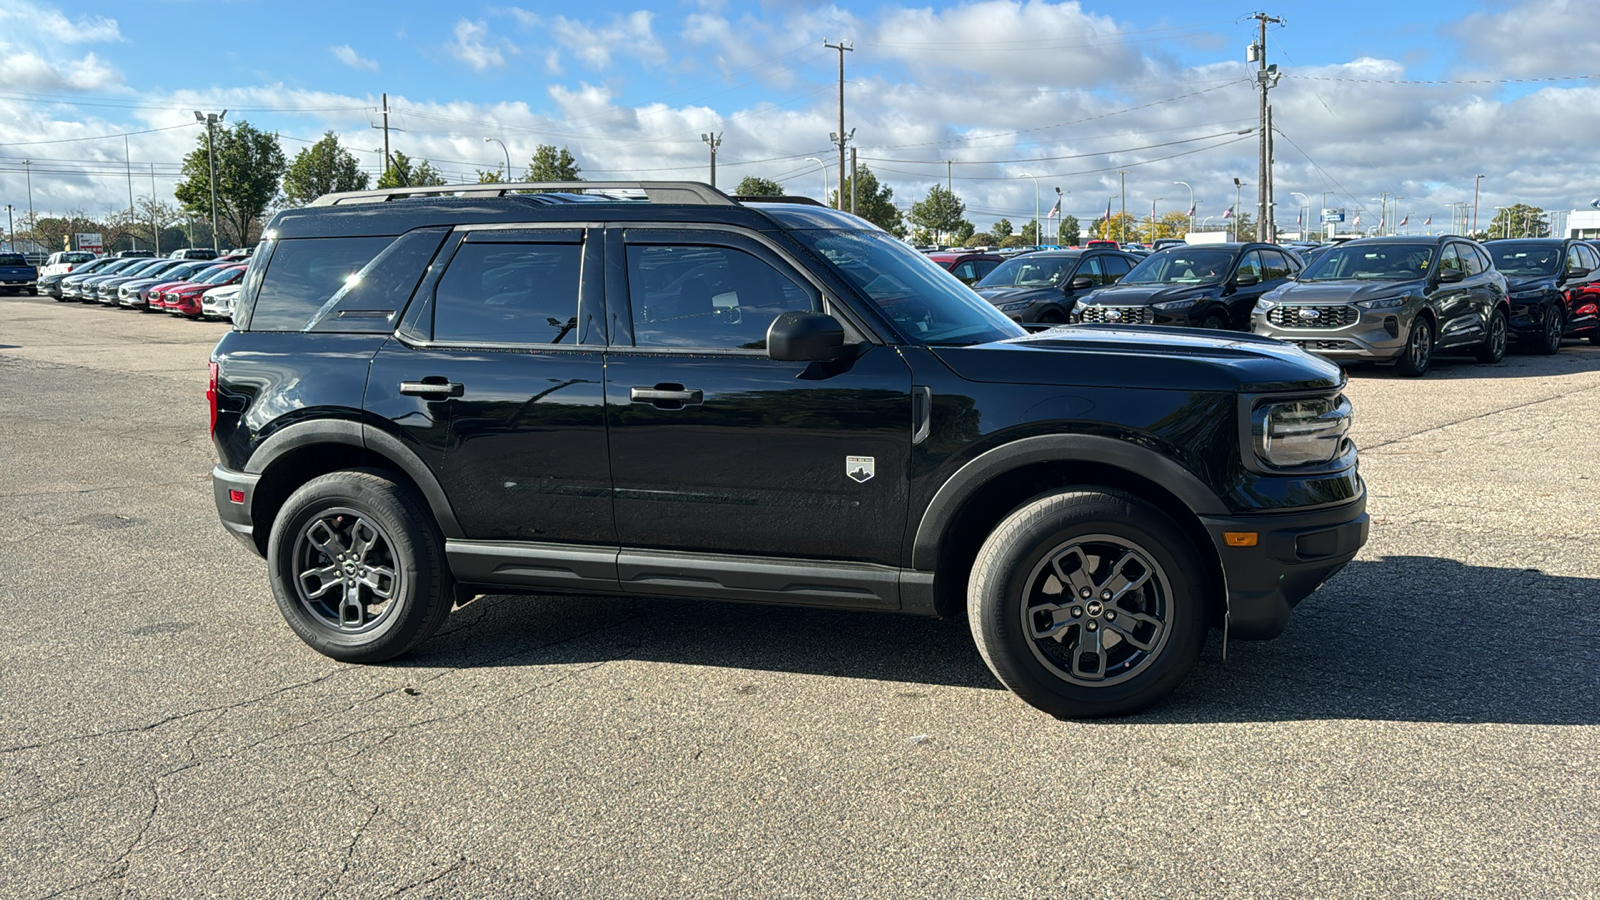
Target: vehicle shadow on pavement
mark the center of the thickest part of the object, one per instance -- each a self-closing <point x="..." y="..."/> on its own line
<point x="1576" y="357"/>
<point x="501" y="630"/>
<point x="1419" y="639"/>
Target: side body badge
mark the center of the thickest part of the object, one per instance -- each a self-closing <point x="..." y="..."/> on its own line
<point x="860" y="468"/>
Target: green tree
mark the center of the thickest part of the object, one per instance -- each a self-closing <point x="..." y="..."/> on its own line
<point x="495" y="177"/>
<point x="752" y="186"/>
<point x="1243" y="227"/>
<point x="1173" y="224"/>
<point x="1070" y="234"/>
<point x="1029" y="236"/>
<point x="940" y="213"/>
<point x="323" y="168"/>
<point x="1002" y="230"/>
<point x="964" y="232"/>
<point x="1114" y="228"/>
<point x="550" y="164"/>
<point x="250" y="166"/>
<point x="401" y="173"/>
<point x="874" y="202"/>
<point x="1519" y="221"/>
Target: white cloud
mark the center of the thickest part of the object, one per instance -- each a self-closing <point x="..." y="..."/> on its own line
<point x="476" y="47"/>
<point x="347" y="55"/>
<point x="630" y="35"/>
<point x="21" y="21"/>
<point x="24" y="70"/>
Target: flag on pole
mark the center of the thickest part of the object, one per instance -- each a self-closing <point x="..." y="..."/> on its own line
<point x="1108" y="209"/>
<point x="1054" y="210"/>
<point x="1404" y="219"/>
<point x="1428" y="221"/>
<point x="1381" y="220"/>
<point x="1357" y="222"/>
<point x="1191" y="210"/>
<point x="1300" y="221"/>
<point x="1228" y="214"/>
<point x="1152" y="210"/>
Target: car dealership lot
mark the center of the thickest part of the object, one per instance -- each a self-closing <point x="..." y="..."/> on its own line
<point x="1427" y="725"/>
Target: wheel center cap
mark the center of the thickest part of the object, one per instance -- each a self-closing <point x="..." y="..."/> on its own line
<point x="1094" y="607"/>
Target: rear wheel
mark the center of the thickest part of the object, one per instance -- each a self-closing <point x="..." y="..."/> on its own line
<point x="1088" y="603"/>
<point x="1493" y="348"/>
<point x="1418" y="354"/>
<point x="1555" y="328"/>
<point x="357" y="566"/>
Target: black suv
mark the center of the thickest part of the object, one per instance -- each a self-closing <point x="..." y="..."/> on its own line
<point x="429" y="396"/>
<point x="1207" y="286"/>
<point x="1554" y="287"/>
<point x="1042" y="286"/>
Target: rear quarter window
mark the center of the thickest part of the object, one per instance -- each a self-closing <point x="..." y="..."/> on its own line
<point x="303" y="274"/>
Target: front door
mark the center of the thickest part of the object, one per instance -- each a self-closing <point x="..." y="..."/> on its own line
<point x="718" y="449"/>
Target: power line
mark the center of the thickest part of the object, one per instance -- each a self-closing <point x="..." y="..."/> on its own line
<point x="101" y="137"/>
<point x="1114" y="168"/>
<point x="993" y="162"/>
<point x="1444" y="80"/>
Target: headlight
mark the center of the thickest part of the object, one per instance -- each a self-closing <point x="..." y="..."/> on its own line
<point x="1300" y="432"/>
<point x="1527" y="295"/>
<point x="1016" y="305"/>
<point x="1082" y="302"/>
<point x="1381" y="303"/>
<point x="1175" y="304"/>
<point x="1263" y="305"/>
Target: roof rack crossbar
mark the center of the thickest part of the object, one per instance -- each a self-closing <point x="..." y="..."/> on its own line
<point x="692" y="193"/>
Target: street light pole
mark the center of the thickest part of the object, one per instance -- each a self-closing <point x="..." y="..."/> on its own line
<point x="210" y="120"/>
<point x="824" y="176"/>
<point x="1475" y="184"/>
<point x="1036" y="240"/>
<point x="1191" y="202"/>
<point x="507" y="152"/>
<point x="714" y="140"/>
<point x="1238" y="186"/>
<point x="1305" y="212"/>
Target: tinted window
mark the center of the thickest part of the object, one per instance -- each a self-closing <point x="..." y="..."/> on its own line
<point x="1181" y="266"/>
<point x="1030" y="271"/>
<point x="1115" y="268"/>
<point x="1586" y="253"/>
<point x="1574" y="260"/>
<point x="303" y="274"/>
<point x="713" y="298"/>
<point x="1525" y="259"/>
<point x="1475" y="264"/>
<point x="509" y="294"/>
<point x="1251" y="265"/>
<point x="1450" y="260"/>
<point x="1374" y="262"/>
<point x="985" y="266"/>
<point x="967" y="271"/>
<point x="1090" y="269"/>
<point x="12" y="259"/>
<point x="1274" y="265"/>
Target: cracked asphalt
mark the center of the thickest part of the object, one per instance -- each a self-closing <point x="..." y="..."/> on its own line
<point x="1428" y="726"/>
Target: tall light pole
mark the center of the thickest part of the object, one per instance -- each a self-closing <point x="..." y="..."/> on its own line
<point x="824" y="177"/>
<point x="1191" y="202"/>
<point x="1122" y="218"/>
<point x="714" y="140"/>
<point x="1238" y="186"/>
<point x="507" y="152"/>
<point x="27" y="166"/>
<point x="210" y="120"/>
<point x="1036" y="238"/>
<point x="1475" y="183"/>
<point x="1305" y="211"/>
<point x="11" y="228"/>
<point x="1153" y="218"/>
<point x="1505" y="224"/>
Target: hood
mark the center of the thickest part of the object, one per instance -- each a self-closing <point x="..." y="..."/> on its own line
<point x="999" y="295"/>
<point x="1147" y="294"/>
<point x="1326" y="292"/>
<point x="1187" y="359"/>
<point x="1530" y="283"/>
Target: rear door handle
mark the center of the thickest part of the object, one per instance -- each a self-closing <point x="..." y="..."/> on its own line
<point x="434" y="387"/>
<point x="667" y="396"/>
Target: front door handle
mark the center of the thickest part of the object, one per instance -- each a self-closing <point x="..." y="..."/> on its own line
<point x="667" y="396"/>
<point x="434" y="387"/>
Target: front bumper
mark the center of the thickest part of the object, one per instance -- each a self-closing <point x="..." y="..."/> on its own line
<point x="236" y="515"/>
<point x="1377" y="335"/>
<point x="1294" y="554"/>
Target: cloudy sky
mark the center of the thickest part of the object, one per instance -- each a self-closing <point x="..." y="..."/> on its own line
<point x="1409" y="99"/>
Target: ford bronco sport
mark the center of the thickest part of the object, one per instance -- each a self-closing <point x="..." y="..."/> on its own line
<point x="653" y="389"/>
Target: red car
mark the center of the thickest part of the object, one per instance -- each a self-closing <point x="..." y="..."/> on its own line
<point x="154" y="297"/>
<point x="969" y="266"/>
<point x="183" y="298"/>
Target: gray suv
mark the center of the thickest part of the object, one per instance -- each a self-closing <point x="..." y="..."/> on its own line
<point x="1393" y="300"/>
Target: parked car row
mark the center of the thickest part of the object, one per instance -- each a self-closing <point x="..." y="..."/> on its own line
<point x="1392" y="300"/>
<point x="176" y="285"/>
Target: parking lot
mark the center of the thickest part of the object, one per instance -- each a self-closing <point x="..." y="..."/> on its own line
<point x="1427" y="726"/>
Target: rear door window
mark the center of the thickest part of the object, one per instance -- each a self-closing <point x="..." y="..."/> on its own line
<point x="509" y="293"/>
<point x="1115" y="267"/>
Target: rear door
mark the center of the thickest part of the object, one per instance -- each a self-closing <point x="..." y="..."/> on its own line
<point x="718" y="449"/>
<point x="1459" y="303"/>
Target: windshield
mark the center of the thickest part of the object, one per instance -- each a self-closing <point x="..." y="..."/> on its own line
<point x="1371" y="262"/>
<point x="223" y="276"/>
<point x="1029" y="271"/>
<point x="924" y="301"/>
<point x="1182" y="267"/>
<point x="1525" y="259"/>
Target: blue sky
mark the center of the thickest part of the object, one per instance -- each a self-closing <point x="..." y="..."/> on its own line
<point x="1067" y="92"/>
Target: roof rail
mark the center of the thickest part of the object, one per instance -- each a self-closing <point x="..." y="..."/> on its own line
<point x="779" y="198"/>
<point x="686" y="192"/>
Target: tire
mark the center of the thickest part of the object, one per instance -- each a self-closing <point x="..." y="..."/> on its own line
<point x="1493" y="348"/>
<point x="1214" y="321"/>
<point x="314" y="556"/>
<point x="1052" y="318"/>
<point x="1555" y="328"/>
<point x="1418" y="352"/>
<point x="1091" y="536"/>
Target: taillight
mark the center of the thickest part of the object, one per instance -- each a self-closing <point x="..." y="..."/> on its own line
<point x="211" y="398"/>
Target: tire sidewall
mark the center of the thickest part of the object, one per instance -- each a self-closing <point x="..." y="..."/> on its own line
<point x="422" y="579"/>
<point x="997" y="594"/>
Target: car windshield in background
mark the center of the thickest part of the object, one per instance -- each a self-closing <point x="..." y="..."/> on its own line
<point x="219" y="277"/>
<point x="1526" y="259"/>
<point x="1373" y="262"/>
<point x="1029" y="271"/>
<point x="1182" y="267"/>
<point x="12" y="259"/>
<point x="924" y="301"/>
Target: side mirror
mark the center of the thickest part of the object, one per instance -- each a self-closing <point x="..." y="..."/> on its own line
<point x="1247" y="280"/>
<point x="1577" y="272"/>
<point x="805" y="337"/>
<point x="1082" y="283"/>
<point x="1451" y="276"/>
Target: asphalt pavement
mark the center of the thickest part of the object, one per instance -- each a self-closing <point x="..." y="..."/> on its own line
<point x="1428" y="726"/>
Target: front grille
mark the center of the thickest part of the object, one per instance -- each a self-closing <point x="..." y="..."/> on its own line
<point x="1117" y="315"/>
<point x="1327" y="345"/>
<point x="1313" y="316"/>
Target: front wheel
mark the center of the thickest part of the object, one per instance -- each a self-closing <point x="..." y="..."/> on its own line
<point x="357" y="566"/>
<point x="1214" y="321"/>
<point x="1555" y="328"/>
<point x="1088" y="603"/>
<point x="1493" y="348"/>
<point x="1418" y="353"/>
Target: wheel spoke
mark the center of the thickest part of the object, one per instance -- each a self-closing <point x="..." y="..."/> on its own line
<point x="1125" y="628"/>
<point x="363" y="537"/>
<point x="380" y="581"/>
<point x="1119" y="584"/>
<point x="352" y="613"/>
<point x="1078" y="582"/>
<point x="319" y="581"/>
<point x="322" y="536"/>
<point x="1055" y="629"/>
<point x="1089" y="649"/>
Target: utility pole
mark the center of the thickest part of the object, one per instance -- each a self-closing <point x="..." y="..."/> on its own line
<point x="386" y="162"/>
<point x="842" y="137"/>
<point x="713" y="140"/>
<point x="210" y="120"/>
<point x="1122" y="217"/>
<point x="1266" y="79"/>
<point x="127" y="155"/>
<point x="853" y="171"/>
<point x="1475" y="182"/>
<point x="948" y="182"/>
<point x="155" y="227"/>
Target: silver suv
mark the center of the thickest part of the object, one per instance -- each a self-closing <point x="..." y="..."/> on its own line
<point x="1393" y="300"/>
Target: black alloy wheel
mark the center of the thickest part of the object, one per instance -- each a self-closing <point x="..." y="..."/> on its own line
<point x="357" y="566"/>
<point x="1214" y="321"/>
<point x="1555" y="328"/>
<point x="1493" y="348"/>
<point x="1418" y="353"/>
<point x="1088" y="603"/>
